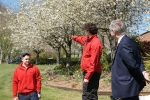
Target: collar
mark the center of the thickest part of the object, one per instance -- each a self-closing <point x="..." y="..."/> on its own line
<point x="90" y="38"/>
<point x="120" y="39"/>
<point x="23" y="67"/>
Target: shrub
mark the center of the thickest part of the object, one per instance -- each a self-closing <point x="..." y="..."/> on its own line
<point x="138" y="43"/>
<point x="146" y="48"/>
<point x="106" y="60"/>
<point x="61" y="69"/>
<point x="147" y="65"/>
<point x="43" y="60"/>
<point x="74" y="61"/>
<point x="143" y="46"/>
<point x="77" y="75"/>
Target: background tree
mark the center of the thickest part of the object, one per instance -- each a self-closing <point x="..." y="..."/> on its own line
<point x="57" y="20"/>
<point x="26" y="36"/>
<point x="5" y="42"/>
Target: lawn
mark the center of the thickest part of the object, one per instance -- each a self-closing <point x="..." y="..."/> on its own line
<point x="48" y="93"/>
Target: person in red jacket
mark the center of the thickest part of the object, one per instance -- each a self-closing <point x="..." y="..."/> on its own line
<point x="90" y="61"/>
<point x="26" y="82"/>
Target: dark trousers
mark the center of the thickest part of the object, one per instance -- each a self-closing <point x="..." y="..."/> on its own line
<point x="32" y="96"/>
<point x="90" y="89"/>
<point x="131" y="98"/>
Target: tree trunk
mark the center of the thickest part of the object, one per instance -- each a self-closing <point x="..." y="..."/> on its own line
<point x="68" y="61"/>
<point x="113" y="49"/>
<point x="36" y="59"/>
<point x="1" y="56"/>
<point x="8" y="58"/>
<point x="58" y="55"/>
<point x="68" y="54"/>
<point x="37" y="52"/>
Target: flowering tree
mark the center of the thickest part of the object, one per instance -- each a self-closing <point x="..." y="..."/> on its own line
<point x="5" y="42"/>
<point x="26" y="35"/>
<point x="55" y="21"/>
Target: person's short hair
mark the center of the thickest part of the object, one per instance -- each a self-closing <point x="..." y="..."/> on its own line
<point x="25" y="54"/>
<point x="91" y="27"/>
<point x="118" y="25"/>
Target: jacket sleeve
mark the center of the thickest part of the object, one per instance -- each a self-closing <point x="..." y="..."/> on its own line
<point x="15" y="84"/>
<point x="38" y="80"/>
<point x="79" y="39"/>
<point x="129" y="60"/>
<point x="142" y="66"/>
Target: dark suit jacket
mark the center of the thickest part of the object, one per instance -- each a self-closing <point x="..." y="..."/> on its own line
<point x="127" y="67"/>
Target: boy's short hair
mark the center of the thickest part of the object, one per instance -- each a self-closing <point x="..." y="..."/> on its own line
<point x="25" y="54"/>
<point x="91" y="27"/>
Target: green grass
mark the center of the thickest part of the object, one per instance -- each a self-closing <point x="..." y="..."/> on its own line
<point x="48" y="93"/>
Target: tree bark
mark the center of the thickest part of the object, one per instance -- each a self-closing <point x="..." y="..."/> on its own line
<point x="37" y="52"/>
<point x="1" y="56"/>
<point x="68" y="54"/>
<point x="58" y="55"/>
<point x="68" y="61"/>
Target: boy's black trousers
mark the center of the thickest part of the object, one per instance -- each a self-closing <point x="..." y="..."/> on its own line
<point x="90" y="89"/>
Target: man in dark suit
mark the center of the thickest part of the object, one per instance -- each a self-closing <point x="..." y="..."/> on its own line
<point x="128" y="72"/>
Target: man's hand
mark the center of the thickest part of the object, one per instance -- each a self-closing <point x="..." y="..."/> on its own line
<point x="86" y="81"/>
<point x="39" y="95"/>
<point x="16" y="98"/>
<point x="146" y="76"/>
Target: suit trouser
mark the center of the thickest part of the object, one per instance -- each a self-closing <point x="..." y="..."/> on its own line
<point x="90" y="89"/>
<point x="131" y="98"/>
<point x="32" y="96"/>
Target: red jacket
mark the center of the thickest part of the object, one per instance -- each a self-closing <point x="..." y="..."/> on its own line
<point x="26" y="81"/>
<point x="91" y="54"/>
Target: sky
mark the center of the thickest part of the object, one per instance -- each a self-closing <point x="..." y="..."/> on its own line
<point x="142" y="28"/>
<point x="10" y="3"/>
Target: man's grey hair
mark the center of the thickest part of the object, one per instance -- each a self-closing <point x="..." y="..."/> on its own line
<point x="118" y="25"/>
